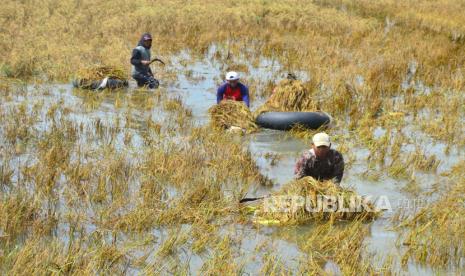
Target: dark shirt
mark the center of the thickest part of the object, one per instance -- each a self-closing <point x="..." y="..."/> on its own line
<point x="136" y="59"/>
<point x="331" y="167"/>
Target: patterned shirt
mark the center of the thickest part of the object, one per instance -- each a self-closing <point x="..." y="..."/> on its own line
<point x="331" y="167"/>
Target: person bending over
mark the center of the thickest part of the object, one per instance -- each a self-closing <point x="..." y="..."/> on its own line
<point x="320" y="162"/>
<point x="232" y="89"/>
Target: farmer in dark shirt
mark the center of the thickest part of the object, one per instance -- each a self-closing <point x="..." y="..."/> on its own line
<point x="320" y="162"/>
<point x="140" y="61"/>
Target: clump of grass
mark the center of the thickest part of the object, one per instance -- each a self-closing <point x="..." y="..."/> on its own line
<point x="304" y="133"/>
<point x="222" y="260"/>
<point x="7" y="84"/>
<point x="272" y="157"/>
<point x="174" y="104"/>
<point x="204" y="235"/>
<point x="232" y="113"/>
<point x="291" y="95"/>
<point x="435" y="234"/>
<point x="311" y="190"/>
<point x="419" y="160"/>
<point x="385" y="75"/>
<point x="179" y="114"/>
<point x="18" y="213"/>
<point x="175" y="238"/>
<point x="341" y="244"/>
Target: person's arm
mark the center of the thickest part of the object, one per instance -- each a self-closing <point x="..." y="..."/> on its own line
<point x="245" y="95"/>
<point x="136" y="57"/>
<point x="220" y="94"/>
<point x="338" y="168"/>
<point x="299" y="170"/>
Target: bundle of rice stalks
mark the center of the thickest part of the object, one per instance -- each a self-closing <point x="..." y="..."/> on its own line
<point x="92" y="77"/>
<point x="229" y="114"/>
<point x="307" y="199"/>
<point x="290" y="95"/>
<point x="101" y="72"/>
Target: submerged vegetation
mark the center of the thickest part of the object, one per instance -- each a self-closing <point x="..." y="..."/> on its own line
<point x="93" y="184"/>
<point x="127" y="181"/>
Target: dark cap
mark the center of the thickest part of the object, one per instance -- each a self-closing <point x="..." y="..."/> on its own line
<point x="147" y="37"/>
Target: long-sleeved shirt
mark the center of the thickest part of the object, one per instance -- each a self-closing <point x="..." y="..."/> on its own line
<point x="138" y="54"/>
<point x="243" y="89"/>
<point x="328" y="168"/>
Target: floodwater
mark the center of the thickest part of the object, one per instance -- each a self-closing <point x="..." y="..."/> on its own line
<point x="198" y="93"/>
<point x="200" y="96"/>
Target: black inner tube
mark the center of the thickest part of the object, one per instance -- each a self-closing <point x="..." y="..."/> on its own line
<point x="288" y="120"/>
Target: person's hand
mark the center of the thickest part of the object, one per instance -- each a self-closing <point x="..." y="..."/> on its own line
<point x="145" y="62"/>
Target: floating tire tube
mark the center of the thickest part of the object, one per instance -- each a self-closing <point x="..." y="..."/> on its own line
<point x="287" y="120"/>
<point x="109" y="83"/>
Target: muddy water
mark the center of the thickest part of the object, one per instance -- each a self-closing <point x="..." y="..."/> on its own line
<point x="198" y="93"/>
<point x="199" y="96"/>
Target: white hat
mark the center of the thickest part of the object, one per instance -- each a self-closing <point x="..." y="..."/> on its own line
<point x="232" y="76"/>
<point x="321" y="139"/>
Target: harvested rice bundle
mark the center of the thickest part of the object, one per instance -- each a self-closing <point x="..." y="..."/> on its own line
<point x="101" y="77"/>
<point x="229" y="114"/>
<point x="307" y="199"/>
<point x="290" y="95"/>
<point x="101" y="72"/>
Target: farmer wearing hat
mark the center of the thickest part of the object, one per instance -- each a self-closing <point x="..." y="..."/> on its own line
<point x="320" y="162"/>
<point x="140" y="61"/>
<point x="232" y="89"/>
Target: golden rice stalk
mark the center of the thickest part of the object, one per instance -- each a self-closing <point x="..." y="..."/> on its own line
<point x="290" y="95"/>
<point x="299" y="212"/>
<point x="232" y="113"/>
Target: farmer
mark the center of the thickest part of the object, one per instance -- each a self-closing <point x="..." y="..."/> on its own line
<point x="232" y="89"/>
<point x="140" y="61"/>
<point x="320" y="162"/>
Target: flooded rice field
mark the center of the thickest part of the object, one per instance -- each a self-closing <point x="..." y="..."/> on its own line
<point x="135" y="181"/>
<point x="150" y="182"/>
